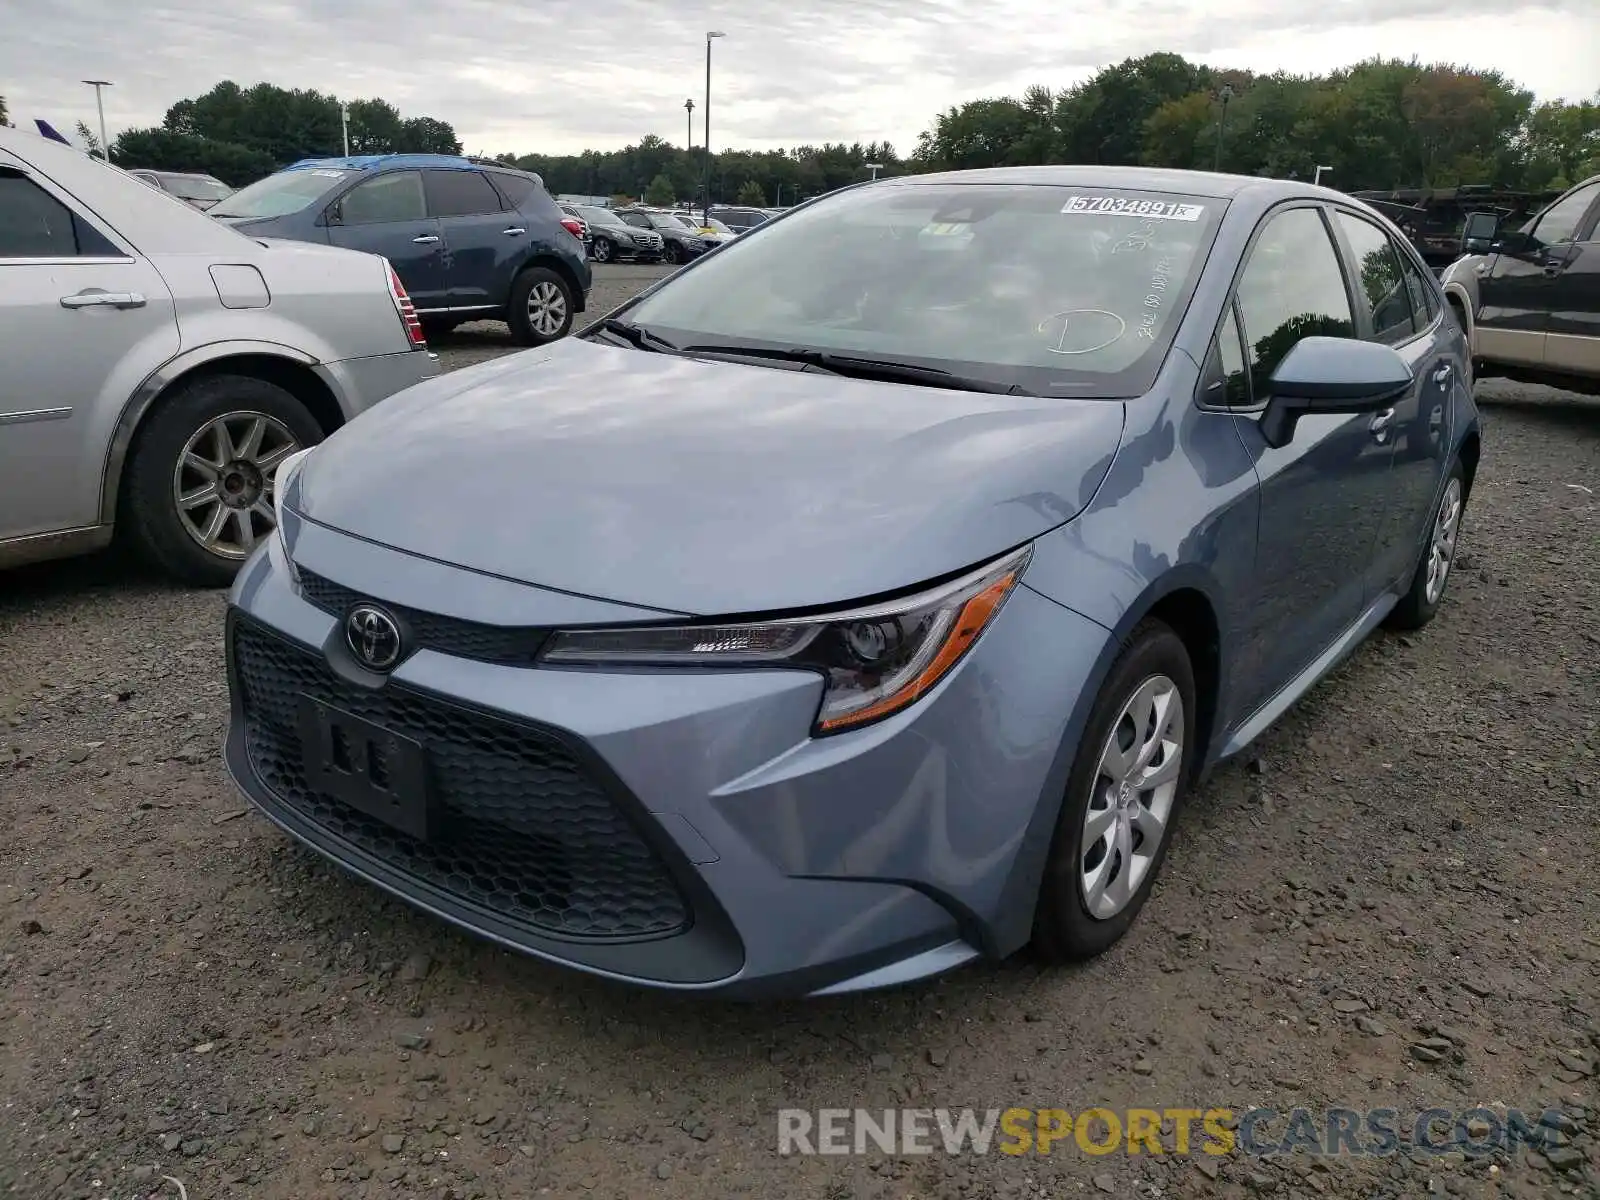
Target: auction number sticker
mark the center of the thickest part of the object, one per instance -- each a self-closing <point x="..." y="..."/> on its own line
<point x="1122" y="206"/>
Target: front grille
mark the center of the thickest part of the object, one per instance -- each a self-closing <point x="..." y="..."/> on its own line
<point x="524" y="829"/>
<point x="511" y="646"/>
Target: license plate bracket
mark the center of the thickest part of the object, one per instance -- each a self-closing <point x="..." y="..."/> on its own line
<point x="372" y="769"/>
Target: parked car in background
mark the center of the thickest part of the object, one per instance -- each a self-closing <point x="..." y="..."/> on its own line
<point x="738" y="219"/>
<point x="872" y="594"/>
<point x="470" y="240"/>
<point x="616" y="240"/>
<point x="681" y="241"/>
<point x="579" y="226"/>
<point x="158" y="367"/>
<point x="201" y="191"/>
<point x="1529" y="297"/>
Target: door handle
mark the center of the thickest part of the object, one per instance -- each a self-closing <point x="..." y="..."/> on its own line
<point x="1380" y="425"/>
<point x="1442" y="375"/>
<point x="514" y="231"/>
<point x="112" y="299"/>
<point x="426" y="239"/>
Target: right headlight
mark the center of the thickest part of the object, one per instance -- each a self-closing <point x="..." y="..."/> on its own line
<point x="876" y="660"/>
<point x="281" y="477"/>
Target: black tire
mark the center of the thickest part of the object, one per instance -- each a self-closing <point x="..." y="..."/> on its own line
<point x="1416" y="609"/>
<point x="518" y="317"/>
<point x="149" y="511"/>
<point x="1064" y="930"/>
<point x="674" y="253"/>
<point x="604" y="250"/>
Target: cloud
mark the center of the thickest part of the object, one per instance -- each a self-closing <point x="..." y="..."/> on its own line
<point x="564" y="75"/>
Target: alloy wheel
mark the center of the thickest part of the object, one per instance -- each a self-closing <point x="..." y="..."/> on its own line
<point x="1132" y="799"/>
<point x="223" y="482"/>
<point x="547" y="308"/>
<point x="1442" y="548"/>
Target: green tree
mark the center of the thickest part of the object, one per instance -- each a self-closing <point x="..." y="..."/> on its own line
<point x="163" y="150"/>
<point x="375" y="127"/>
<point x="90" y="142"/>
<point x="1561" y="143"/>
<point x="750" y="193"/>
<point x="4" y="120"/>
<point x="661" y="193"/>
<point x="426" y="135"/>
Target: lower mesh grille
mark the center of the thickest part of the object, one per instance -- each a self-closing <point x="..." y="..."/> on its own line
<point x="524" y="830"/>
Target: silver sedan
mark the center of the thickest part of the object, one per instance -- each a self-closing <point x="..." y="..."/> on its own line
<point x="156" y="367"/>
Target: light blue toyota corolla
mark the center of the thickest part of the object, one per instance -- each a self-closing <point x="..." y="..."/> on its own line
<point x="865" y="598"/>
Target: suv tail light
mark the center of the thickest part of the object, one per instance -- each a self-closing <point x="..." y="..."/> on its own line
<point x="406" y="310"/>
<point x="572" y="226"/>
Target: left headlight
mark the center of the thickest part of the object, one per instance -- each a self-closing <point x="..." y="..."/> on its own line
<point x="876" y="660"/>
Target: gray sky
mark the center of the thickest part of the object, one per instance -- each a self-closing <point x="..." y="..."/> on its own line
<point x="557" y="76"/>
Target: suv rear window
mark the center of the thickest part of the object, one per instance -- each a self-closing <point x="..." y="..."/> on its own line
<point x="517" y="189"/>
<point x="459" y="194"/>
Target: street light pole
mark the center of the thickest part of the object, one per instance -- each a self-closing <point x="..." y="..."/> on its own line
<point x="1318" y="180"/>
<point x="97" y="84"/>
<point x="688" y="108"/>
<point x="344" y="123"/>
<point x="705" y="201"/>
<point x="875" y="168"/>
<point x="1222" y="123"/>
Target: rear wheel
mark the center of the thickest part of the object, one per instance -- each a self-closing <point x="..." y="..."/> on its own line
<point x="541" y="307"/>
<point x="1421" y="602"/>
<point x="1126" y="787"/>
<point x="198" y="496"/>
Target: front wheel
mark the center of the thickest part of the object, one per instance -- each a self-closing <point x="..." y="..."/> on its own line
<point x="1124" y="793"/>
<point x="604" y="251"/>
<point x="674" y="253"/>
<point x="541" y="307"/>
<point x="198" y="495"/>
<point x="1421" y="602"/>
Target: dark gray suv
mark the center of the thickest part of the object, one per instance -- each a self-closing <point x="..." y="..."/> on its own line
<point x="469" y="241"/>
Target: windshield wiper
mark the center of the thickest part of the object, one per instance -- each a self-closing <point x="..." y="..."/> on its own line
<point x="858" y="367"/>
<point x="638" y="336"/>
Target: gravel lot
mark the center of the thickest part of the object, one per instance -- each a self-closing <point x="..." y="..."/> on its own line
<point x="1411" y="854"/>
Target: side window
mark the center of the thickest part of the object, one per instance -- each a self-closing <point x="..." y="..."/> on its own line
<point x="393" y="197"/>
<point x="1561" y="220"/>
<point x="515" y="188"/>
<point x="637" y="220"/>
<point x="34" y="224"/>
<point x="1378" y="275"/>
<point x="1292" y="288"/>
<point x="1230" y="357"/>
<point x="1424" y="304"/>
<point x="460" y="194"/>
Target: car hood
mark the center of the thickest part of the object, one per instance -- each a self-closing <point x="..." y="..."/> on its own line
<point x="704" y="487"/>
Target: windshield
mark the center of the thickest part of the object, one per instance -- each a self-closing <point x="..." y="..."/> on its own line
<point x="667" y="221"/>
<point x="191" y="187"/>
<point x="281" y="194"/>
<point x="1061" y="290"/>
<point x="598" y="216"/>
<point x="713" y="223"/>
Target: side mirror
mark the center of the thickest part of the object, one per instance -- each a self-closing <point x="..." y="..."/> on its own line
<point x="1330" y="375"/>
<point x="1477" y="235"/>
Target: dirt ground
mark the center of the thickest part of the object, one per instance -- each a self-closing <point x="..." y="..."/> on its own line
<point x="189" y="1003"/>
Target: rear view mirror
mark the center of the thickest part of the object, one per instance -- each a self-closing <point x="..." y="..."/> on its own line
<point x="1330" y="375"/>
<point x="1477" y="235"/>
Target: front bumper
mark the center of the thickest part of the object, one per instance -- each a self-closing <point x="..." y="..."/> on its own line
<point x="680" y="830"/>
<point x="359" y="383"/>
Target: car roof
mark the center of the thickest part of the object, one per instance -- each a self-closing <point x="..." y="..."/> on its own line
<point x="1153" y="179"/>
<point x="153" y="221"/>
<point x="373" y="162"/>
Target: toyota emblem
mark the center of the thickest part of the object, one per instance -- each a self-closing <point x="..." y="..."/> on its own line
<point x="373" y="637"/>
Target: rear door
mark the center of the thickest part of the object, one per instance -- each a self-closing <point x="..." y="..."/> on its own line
<point x="1517" y="291"/>
<point x="388" y="215"/>
<point x="83" y="321"/>
<point x="1572" y="341"/>
<point x="482" y="243"/>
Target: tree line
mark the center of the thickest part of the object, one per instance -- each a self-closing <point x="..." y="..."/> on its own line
<point x="1382" y="123"/>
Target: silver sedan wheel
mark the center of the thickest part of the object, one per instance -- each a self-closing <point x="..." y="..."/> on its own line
<point x="1442" y="549"/>
<point x="547" y="308"/>
<point x="1132" y="798"/>
<point x="223" y="482"/>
